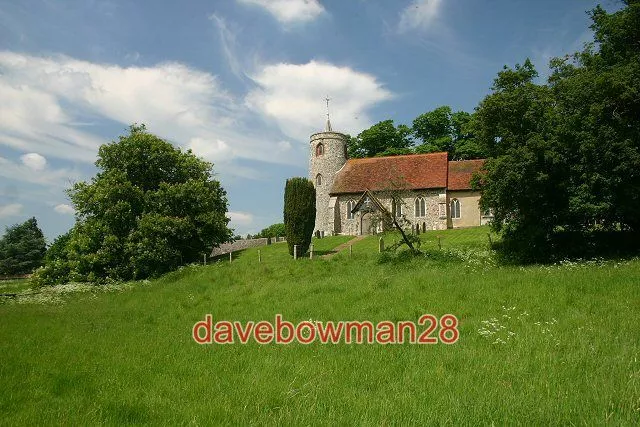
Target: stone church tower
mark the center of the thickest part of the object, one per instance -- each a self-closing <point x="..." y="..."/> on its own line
<point x="327" y="155"/>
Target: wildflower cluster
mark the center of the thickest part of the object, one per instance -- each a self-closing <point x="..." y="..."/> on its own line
<point x="502" y="329"/>
<point x="55" y="295"/>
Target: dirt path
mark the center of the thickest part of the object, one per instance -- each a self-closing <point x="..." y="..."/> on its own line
<point x="343" y="246"/>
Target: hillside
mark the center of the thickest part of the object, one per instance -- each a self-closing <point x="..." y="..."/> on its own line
<point x="553" y="344"/>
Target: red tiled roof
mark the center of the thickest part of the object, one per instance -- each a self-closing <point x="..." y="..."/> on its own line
<point x="411" y="172"/>
<point x="460" y="173"/>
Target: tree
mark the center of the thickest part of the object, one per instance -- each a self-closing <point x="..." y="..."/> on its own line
<point x="389" y="219"/>
<point x="523" y="183"/>
<point x="565" y="156"/>
<point x="597" y="95"/>
<point x="380" y="138"/>
<point x="22" y="248"/>
<point x="150" y="208"/>
<point x="274" y="230"/>
<point x="434" y="130"/>
<point x="444" y="130"/>
<point x="299" y="213"/>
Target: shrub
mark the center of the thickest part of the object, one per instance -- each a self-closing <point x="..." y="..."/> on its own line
<point x="299" y="213"/>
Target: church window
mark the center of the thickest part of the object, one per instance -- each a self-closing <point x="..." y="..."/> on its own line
<point x="455" y="208"/>
<point x="319" y="149"/>
<point x="421" y="207"/>
<point x="318" y="180"/>
<point x="350" y="205"/>
<point x="442" y="210"/>
<point x="397" y="208"/>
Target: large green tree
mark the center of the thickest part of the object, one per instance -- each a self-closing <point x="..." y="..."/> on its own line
<point x="150" y="208"/>
<point x="445" y="130"/>
<point x="598" y="98"/>
<point x="565" y="156"/>
<point x="299" y="213"/>
<point x="22" y="248"/>
<point x="383" y="138"/>
<point x="524" y="176"/>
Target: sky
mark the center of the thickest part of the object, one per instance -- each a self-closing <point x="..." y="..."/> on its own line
<point x="242" y="82"/>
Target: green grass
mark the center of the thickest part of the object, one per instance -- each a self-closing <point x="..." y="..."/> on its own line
<point x="573" y="355"/>
<point x="13" y="286"/>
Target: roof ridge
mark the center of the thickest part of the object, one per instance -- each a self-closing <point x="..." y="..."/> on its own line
<point x="400" y="156"/>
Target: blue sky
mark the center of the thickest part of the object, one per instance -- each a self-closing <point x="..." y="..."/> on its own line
<point x="242" y="82"/>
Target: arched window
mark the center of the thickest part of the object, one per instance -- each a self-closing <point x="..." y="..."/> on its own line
<point x="350" y="205"/>
<point x="455" y="209"/>
<point x="318" y="180"/>
<point x="319" y="149"/>
<point x="397" y="208"/>
<point x="421" y="207"/>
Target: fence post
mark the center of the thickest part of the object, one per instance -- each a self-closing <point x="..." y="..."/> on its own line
<point x="230" y="256"/>
<point x="204" y="257"/>
<point x="311" y="252"/>
<point x="350" y="250"/>
<point x="259" y="256"/>
<point x="381" y="245"/>
<point x="439" y="243"/>
<point x="295" y="251"/>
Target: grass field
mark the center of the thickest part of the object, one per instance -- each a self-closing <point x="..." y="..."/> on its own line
<point x="538" y="345"/>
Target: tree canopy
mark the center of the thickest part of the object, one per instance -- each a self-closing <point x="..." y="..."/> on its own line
<point x="22" y="248"/>
<point x="383" y="138"/>
<point x="274" y="230"/>
<point x="150" y="208"/>
<point x="438" y="130"/>
<point x="565" y="155"/>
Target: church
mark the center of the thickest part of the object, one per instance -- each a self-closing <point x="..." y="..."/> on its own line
<point x="425" y="191"/>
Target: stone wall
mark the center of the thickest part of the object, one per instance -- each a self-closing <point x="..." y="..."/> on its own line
<point x="432" y="220"/>
<point x="238" y="245"/>
<point x="470" y="215"/>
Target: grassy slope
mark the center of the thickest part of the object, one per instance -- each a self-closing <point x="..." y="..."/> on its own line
<point x="129" y="356"/>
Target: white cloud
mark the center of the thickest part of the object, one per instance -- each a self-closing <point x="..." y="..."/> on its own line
<point x="46" y="177"/>
<point x="50" y="105"/>
<point x="64" y="209"/>
<point x="420" y="14"/>
<point x="13" y="209"/>
<point x="290" y="11"/>
<point x="34" y="161"/>
<point x="47" y="102"/>
<point x="293" y="95"/>
<point x="240" y="218"/>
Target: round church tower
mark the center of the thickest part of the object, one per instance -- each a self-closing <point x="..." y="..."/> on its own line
<point x="327" y="154"/>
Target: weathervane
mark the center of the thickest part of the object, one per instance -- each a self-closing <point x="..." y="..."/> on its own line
<point x="327" y="99"/>
<point x="328" y="127"/>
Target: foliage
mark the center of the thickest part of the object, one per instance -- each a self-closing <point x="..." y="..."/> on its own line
<point x="58" y="249"/>
<point x="433" y="131"/>
<point x="565" y="156"/>
<point x="274" y="230"/>
<point x="150" y="209"/>
<point x="379" y="138"/>
<point x="299" y="213"/>
<point x="22" y="248"/>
